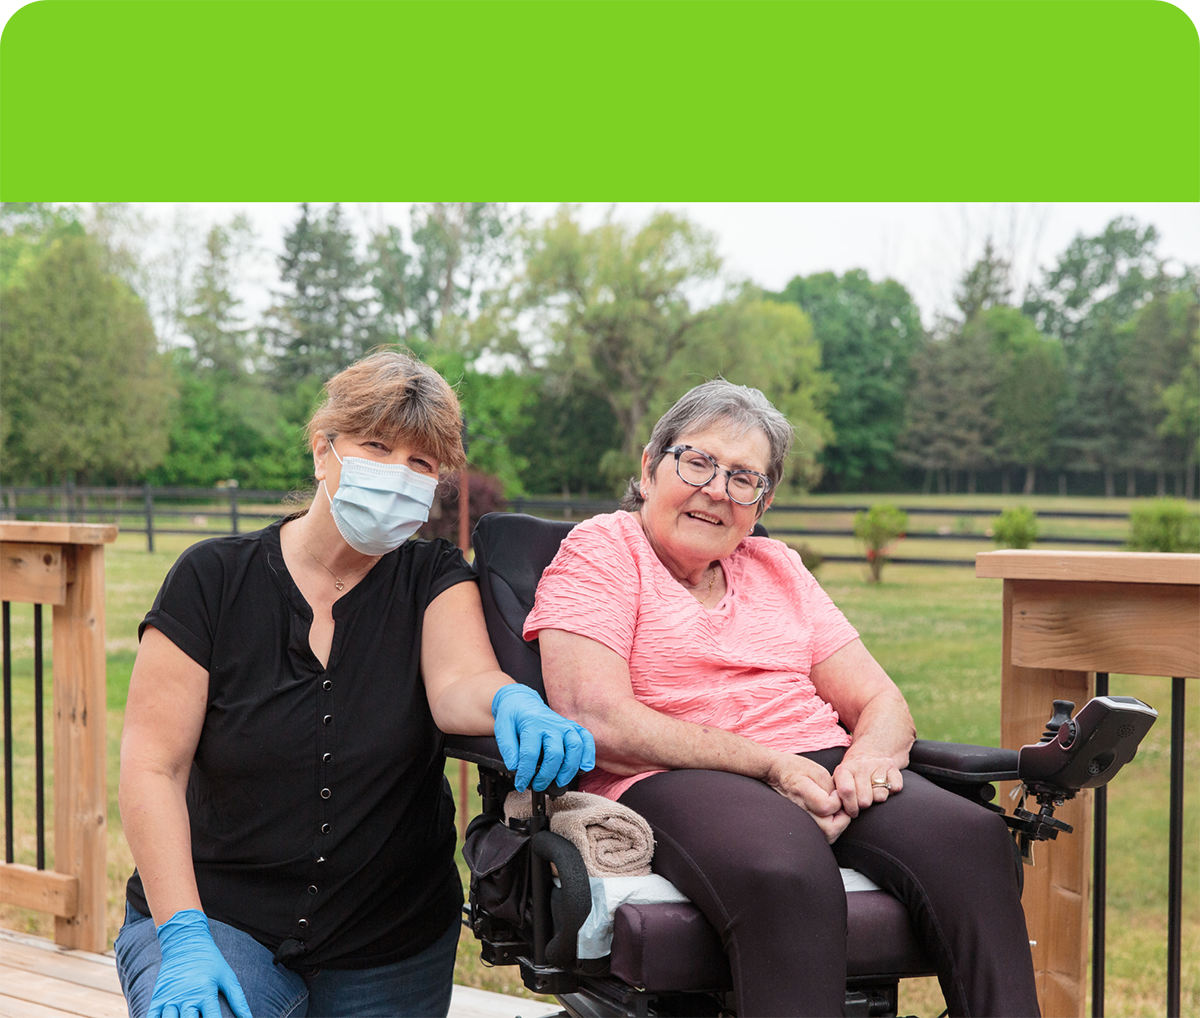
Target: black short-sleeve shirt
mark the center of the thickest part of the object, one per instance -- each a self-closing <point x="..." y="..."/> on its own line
<point x="322" y="823"/>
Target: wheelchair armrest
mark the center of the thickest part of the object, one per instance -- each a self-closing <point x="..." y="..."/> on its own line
<point x="476" y="749"/>
<point x="961" y="763"/>
<point x="483" y="751"/>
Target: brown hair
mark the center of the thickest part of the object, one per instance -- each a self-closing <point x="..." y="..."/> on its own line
<point x="390" y="394"/>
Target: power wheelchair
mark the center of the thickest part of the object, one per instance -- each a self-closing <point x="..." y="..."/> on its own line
<point x="666" y="959"/>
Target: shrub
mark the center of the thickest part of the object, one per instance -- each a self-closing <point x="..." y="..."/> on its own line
<point x="878" y="528"/>
<point x="809" y="555"/>
<point x="1015" y="528"/>
<point x="487" y="496"/>
<point x="1164" y="524"/>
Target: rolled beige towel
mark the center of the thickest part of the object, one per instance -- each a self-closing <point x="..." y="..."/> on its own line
<point x="613" y="840"/>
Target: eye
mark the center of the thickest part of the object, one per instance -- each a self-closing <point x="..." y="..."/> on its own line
<point x="423" y="465"/>
<point x="377" y="446"/>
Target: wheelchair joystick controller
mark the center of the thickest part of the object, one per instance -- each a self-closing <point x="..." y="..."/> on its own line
<point x="1086" y="751"/>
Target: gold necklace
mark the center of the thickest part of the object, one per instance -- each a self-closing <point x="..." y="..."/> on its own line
<point x="337" y="580"/>
<point x="712" y="581"/>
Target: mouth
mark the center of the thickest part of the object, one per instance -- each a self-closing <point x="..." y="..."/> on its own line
<point x="715" y="521"/>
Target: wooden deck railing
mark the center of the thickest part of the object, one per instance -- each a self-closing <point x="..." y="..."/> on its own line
<point x="62" y="564"/>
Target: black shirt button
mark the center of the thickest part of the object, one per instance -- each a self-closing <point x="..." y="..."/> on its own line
<point x="327" y="684"/>
<point x="328" y="719"/>
<point x="327" y="757"/>
<point x="302" y="923"/>
<point x="325" y="828"/>
<point x="325" y="793"/>
<point x="312" y="888"/>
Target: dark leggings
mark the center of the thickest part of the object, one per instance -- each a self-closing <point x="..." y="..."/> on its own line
<point x="761" y="871"/>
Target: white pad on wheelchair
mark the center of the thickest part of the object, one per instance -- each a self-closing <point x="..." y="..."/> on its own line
<point x="609" y="893"/>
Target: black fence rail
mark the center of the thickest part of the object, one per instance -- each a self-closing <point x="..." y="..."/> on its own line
<point x="583" y="508"/>
<point x="138" y="509"/>
<point x="152" y="510"/>
<point x="39" y="737"/>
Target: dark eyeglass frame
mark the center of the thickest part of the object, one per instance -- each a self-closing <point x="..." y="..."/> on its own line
<point x="679" y="450"/>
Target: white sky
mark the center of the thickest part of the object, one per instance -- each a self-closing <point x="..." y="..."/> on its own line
<point x="924" y="246"/>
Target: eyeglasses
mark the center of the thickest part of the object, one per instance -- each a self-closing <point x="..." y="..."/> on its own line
<point x="697" y="468"/>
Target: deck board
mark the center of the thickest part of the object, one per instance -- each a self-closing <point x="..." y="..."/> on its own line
<point x="41" y="980"/>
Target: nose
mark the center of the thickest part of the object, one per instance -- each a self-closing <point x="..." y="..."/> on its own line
<point x="715" y="488"/>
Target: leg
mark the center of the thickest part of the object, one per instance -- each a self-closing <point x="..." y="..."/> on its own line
<point x="271" y="991"/>
<point x="759" y="869"/>
<point x="951" y="862"/>
<point x="417" y="987"/>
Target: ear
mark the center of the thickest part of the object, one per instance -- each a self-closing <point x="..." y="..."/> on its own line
<point x="765" y="504"/>
<point x="647" y="480"/>
<point x="320" y="450"/>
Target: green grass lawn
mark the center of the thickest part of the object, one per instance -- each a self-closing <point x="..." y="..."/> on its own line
<point x="935" y="629"/>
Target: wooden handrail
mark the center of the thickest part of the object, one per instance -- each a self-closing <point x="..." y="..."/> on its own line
<point x="62" y="564"/>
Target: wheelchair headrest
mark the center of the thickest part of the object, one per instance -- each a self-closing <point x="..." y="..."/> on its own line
<point x="511" y="552"/>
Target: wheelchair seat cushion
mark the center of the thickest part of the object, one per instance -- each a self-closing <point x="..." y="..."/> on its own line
<point x="672" y="947"/>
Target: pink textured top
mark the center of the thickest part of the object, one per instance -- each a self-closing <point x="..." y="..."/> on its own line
<point x="742" y="666"/>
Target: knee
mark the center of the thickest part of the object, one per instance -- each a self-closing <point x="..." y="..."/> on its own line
<point x="787" y="881"/>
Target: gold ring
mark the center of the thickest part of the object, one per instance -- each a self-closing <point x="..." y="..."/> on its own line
<point x="876" y="783"/>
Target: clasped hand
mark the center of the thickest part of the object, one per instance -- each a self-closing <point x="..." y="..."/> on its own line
<point x="527" y="730"/>
<point x="833" y="800"/>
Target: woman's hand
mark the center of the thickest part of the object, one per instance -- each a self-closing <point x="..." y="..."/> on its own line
<point x="193" y="972"/>
<point x="527" y="730"/>
<point x="864" y="778"/>
<point x="873" y="708"/>
<point x="811" y="787"/>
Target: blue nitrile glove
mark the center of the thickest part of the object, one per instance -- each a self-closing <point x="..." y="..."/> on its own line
<point x="527" y="729"/>
<point x="193" y="971"/>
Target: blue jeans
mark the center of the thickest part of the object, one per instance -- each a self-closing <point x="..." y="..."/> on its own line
<point x="417" y="987"/>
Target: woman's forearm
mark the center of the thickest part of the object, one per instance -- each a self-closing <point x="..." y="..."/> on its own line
<point x="885" y="728"/>
<point x="155" y="820"/>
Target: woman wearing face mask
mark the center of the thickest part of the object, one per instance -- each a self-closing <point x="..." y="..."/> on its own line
<point x="282" y="783"/>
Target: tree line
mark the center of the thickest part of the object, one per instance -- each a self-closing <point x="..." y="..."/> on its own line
<point x="566" y="343"/>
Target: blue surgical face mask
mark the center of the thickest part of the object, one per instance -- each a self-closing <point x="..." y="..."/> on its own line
<point x="379" y="506"/>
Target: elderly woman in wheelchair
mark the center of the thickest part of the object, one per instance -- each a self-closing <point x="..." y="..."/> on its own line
<point x="735" y="708"/>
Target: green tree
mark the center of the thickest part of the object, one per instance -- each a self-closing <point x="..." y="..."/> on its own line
<point x="1108" y="276"/>
<point x="768" y="346"/>
<point x="613" y="310"/>
<point x="612" y="306"/>
<point x="227" y="422"/>
<point x="566" y="431"/>
<point x="27" y="229"/>
<point x="1100" y="415"/>
<point x="213" y="321"/>
<point x="1030" y="387"/>
<point x="83" y="388"/>
<point x="1159" y="345"/>
<point x="431" y="290"/>
<point x="868" y="333"/>
<point x="1181" y="402"/>
<point x="986" y="284"/>
<point x="949" y="422"/>
<point x="323" y="320"/>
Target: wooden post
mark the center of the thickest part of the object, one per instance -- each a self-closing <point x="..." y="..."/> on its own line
<point x="80" y="784"/>
<point x="1057" y="885"/>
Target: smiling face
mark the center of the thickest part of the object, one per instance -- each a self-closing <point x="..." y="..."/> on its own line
<point x="691" y="527"/>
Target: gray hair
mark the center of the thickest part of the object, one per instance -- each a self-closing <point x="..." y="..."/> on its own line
<point x="717" y="402"/>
